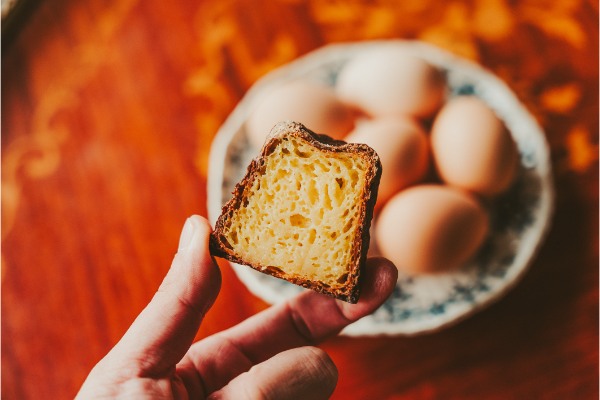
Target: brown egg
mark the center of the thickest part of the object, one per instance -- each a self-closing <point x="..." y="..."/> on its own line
<point x="403" y="148"/>
<point x="392" y="81"/>
<point x="430" y="228"/>
<point x="315" y="106"/>
<point x="472" y="148"/>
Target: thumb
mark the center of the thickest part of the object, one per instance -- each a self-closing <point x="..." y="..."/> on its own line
<point x="165" y="329"/>
<point x="300" y="373"/>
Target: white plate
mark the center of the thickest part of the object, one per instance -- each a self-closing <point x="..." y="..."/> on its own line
<point x="520" y="218"/>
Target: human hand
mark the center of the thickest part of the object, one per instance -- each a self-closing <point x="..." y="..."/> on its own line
<point x="268" y="356"/>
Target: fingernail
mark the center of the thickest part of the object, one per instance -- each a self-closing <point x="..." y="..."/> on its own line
<point x="186" y="234"/>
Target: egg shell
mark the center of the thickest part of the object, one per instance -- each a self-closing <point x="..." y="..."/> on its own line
<point x="403" y="148"/>
<point x="392" y="81"/>
<point x="430" y="228"/>
<point x="472" y="148"/>
<point x="313" y="105"/>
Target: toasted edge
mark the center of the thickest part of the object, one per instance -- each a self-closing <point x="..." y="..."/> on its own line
<point x="351" y="290"/>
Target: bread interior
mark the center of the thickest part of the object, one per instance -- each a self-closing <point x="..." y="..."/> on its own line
<point x="301" y="214"/>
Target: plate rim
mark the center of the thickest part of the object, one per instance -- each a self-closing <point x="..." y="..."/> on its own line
<point x="333" y="52"/>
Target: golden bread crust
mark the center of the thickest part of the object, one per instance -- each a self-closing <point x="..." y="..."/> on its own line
<point x="350" y="290"/>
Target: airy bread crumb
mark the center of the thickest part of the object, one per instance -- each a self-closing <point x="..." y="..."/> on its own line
<point x="303" y="211"/>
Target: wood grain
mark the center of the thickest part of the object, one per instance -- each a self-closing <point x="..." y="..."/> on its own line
<point x="108" y="112"/>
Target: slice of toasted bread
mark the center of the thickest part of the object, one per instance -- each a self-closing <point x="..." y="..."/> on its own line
<point x="303" y="211"/>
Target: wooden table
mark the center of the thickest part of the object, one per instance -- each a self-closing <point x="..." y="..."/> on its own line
<point x="108" y="112"/>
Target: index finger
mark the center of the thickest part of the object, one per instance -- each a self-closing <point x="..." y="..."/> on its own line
<point x="307" y="319"/>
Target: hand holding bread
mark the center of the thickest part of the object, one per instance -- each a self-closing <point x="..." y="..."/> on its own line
<point x="272" y="352"/>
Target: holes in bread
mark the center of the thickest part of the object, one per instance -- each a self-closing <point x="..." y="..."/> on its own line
<point x="299" y="221"/>
<point x="327" y="199"/>
<point x="348" y="225"/>
<point x="354" y="178"/>
<point x="269" y="196"/>
<point x="342" y="279"/>
<point x="311" y="236"/>
<point x="338" y="195"/>
<point x="313" y="193"/>
<point x="309" y="170"/>
<point x="323" y="167"/>
<point x="301" y="154"/>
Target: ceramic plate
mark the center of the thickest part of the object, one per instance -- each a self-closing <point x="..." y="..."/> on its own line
<point x="520" y="217"/>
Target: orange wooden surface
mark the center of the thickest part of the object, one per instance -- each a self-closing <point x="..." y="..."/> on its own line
<point x="108" y="112"/>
